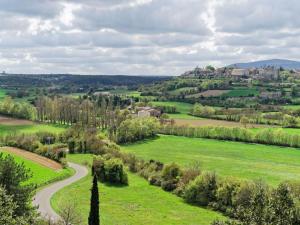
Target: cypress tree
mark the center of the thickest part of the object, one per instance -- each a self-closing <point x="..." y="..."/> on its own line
<point x="94" y="211"/>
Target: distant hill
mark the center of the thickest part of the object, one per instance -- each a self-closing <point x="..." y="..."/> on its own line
<point x="48" y="80"/>
<point x="286" y="64"/>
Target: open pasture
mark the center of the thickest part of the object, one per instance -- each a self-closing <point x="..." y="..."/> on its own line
<point x="134" y="203"/>
<point x="12" y="125"/>
<point x="244" y="161"/>
<point x="181" y="107"/>
<point x="242" y="92"/>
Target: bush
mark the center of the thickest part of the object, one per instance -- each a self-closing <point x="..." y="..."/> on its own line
<point x="202" y="190"/>
<point x="46" y="137"/>
<point x="110" y="170"/>
<point x="170" y="177"/>
<point x="71" y="146"/>
<point x="150" y="168"/>
<point x="189" y="174"/>
<point x="225" y="193"/>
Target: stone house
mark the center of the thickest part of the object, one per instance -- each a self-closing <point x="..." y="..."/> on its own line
<point x="240" y="73"/>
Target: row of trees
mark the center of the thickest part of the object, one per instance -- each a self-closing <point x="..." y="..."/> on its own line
<point x="67" y="110"/>
<point x="248" y="115"/>
<point x="263" y="136"/>
<point x="135" y="129"/>
<point x="21" y="110"/>
<point x="203" y="111"/>
<point x="248" y="202"/>
<point x="36" y="143"/>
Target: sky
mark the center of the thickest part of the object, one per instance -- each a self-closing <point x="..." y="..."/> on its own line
<point x="143" y="37"/>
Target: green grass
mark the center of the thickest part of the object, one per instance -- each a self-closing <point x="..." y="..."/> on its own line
<point x="138" y="203"/>
<point x="2" y="93"/>
<point x="182" y="108"/>
<point x="244" y="161"/>
<point x="291" y="107"/>
<point x="41" y="175"/>
<point x="242" y="92"/>
<point x="6" y="129"/>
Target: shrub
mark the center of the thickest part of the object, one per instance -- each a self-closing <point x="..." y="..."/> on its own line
<point x="225" y="193"/>
<point x="71" y="146"/>
<point x="46" y="137"/>
<point x="170" y="177"/>
<point x="189" y="174"/>
<point x="110" y="170"/>
<point x="202" y="190"/>
<point x="150" y="168"/>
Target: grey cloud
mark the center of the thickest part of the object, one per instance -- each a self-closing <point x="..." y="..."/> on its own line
<point x="154" y="17"/>
<point x="143" y="36"/>
<point x="35" y="8"/>
<point x="245" y="16"/>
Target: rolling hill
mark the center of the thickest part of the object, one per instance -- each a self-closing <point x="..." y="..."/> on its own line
<point x="287" y="64"/>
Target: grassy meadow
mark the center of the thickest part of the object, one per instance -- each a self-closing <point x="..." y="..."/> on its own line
<point x="182" y="108"/>
<point x="244" y="161"/>
<point x="2" y="93"/>
<point x="41" y="175"/>
<point x="242" y="92"/>
<point x="32" y="128"/>
<point x="134" y="204"/>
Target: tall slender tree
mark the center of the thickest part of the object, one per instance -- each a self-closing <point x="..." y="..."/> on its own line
<point x="94" y="211"/>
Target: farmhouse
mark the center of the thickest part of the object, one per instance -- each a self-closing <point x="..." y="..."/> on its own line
<point x="240" y="73"/>
<point x="268" y="73"/>
<point x="270" y="95"/>
<point x="147" y="112"/>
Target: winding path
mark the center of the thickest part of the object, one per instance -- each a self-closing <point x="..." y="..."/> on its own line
<point x="43" y="197"/>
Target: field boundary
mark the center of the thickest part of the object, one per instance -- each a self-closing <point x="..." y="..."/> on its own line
<point x="33" y="157"/>
<point x="5" y="120"/>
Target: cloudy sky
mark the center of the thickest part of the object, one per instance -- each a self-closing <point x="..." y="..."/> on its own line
<point x="143" y="37"/>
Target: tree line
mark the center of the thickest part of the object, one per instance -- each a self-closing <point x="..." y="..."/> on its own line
<point x="263" y="136"/>
<point x="21" y="110"/>
<point x="245" y="202"/>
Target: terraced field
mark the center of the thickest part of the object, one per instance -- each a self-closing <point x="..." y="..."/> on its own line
<point x="242" y="92"/>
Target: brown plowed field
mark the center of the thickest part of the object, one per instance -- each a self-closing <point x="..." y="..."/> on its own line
<point x="209" y="93"/>
<point x="33" y="157"/>
<point x="12" y="121"/>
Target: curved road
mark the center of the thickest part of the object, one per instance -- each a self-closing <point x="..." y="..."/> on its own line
<point x="42" y="197"/>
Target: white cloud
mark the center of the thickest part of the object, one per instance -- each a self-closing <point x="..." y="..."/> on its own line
<point x="143" y="36"/>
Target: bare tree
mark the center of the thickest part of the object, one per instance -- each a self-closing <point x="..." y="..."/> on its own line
<point x="69" y="213"/>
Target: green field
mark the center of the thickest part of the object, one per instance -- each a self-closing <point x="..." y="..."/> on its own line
<point x="245" y="161"/>
<point x="2" y="93"/>
<point x="138" y="203"/>
<point x="6" y="129"/>
<point x="292" y="107"/>
<point x="242" y="92"/>
<point x="182" y="108"/>
<point x="41" y="175"/>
